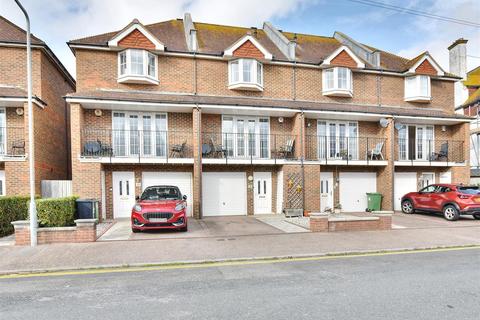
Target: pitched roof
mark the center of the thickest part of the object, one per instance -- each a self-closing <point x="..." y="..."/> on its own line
<point x="10" y="32"/>
<point x="213" y="39"/>
<point x="473" y="98"/>
<point x="473" y="78"/>
<point x="142" y="96"/>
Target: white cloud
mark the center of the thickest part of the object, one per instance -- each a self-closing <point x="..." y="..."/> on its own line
<point x="57" y="21"/>
<point x="435" y="36"/>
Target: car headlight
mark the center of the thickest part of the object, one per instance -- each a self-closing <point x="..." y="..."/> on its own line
<point x="137" y="208"/>
<point x="180" y="207"/>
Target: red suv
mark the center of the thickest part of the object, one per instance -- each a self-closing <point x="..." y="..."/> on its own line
<point x="450" y="199"/>
<point x="160" y="207"/>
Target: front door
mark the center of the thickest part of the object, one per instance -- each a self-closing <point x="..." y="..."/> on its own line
<point x="326" y="191"/>
<point x="123" y="193"/>
<point x="262" y="192"/>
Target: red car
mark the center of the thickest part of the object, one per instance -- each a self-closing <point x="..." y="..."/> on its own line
<point x="160" y="207"/>
<point x="450" y="199"/>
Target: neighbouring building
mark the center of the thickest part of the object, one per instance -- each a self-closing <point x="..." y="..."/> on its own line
<point x="51" y="81"/>
<point x="255" y="120"/>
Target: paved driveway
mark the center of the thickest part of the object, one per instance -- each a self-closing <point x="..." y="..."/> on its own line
<point x="429" y="220"/>
<point x="207" y="227"/>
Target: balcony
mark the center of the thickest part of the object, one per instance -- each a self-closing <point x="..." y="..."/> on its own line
<point x="136" y="146"/>
<point x="426" y="152"/>
<point x="12" y="143"/>
<point x="248" y="148"/>
<point x="339" y="150"/>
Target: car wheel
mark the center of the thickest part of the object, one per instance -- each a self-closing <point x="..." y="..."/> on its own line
<point x="135" y="230"/>
<point x="407" y="207"/>
<point x="451" y="213"/>
<point x="476" y="216"/>
<point x="184" y="229"/>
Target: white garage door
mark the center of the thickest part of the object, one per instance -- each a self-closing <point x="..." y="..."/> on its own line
<point x="405" y="182"/>
<point x="224" y="193"/>
<point x="183" y="180"/>
<point x="353" y="189"/>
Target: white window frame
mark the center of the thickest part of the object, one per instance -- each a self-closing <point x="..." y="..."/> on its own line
<point x="321" y="144"/>
<point x="425" y="149"/>
<point x="414" y="93"/>
<point x="336" y="90"/>
<point x="233" y="145"/>
<point x="129" y="77"/>
<point x="3" y="129"/>
<point x="153" y="141"/>
<point x="3" y="183"/>
<point x="253" y="84"/>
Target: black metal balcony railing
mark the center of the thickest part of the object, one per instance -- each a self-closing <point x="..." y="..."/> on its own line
<point x="328" y="148"/>
<point x="252" y="146"/>
<point x="12" y="141"/>
<point x="136" y="143"/>
<point x="430" y="150"/>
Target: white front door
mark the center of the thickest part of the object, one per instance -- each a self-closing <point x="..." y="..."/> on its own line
<point x="2" y="183"/>
<point x="123" y="193"/>
<point x="262" y="189"/>
<point x="224" y="193"/>
<point x="182" y="180"/>
<point x="326" y="190"/>
<point x="427" y="178"/>
<point x="405" y="182"/>
<point x="354" y="187"/>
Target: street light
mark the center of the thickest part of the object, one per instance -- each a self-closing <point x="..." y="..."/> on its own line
<point x="32" y="207"/>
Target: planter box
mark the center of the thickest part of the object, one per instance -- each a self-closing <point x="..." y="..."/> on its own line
<point x="293" y="213"/>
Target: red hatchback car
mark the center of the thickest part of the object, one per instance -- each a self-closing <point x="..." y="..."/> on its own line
<point x="160" y="207"/>
<point x="450" y="199"/>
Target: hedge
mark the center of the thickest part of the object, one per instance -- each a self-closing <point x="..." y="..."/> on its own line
<point x="56" y="212"/>
<point x="50" y="212"/>
<point x="12" y="209"/>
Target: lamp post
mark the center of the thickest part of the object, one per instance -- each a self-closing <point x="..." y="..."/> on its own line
<point x="32" y="206"/>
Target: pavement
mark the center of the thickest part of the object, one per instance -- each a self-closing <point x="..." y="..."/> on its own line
<point x="416" y="285"/>
<point x="236" y="240"/>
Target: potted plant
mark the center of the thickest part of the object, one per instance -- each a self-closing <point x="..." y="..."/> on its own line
<point x="337" y="208"/>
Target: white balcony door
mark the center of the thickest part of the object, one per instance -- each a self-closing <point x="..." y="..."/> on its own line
<point x="417" y="147"/>
<point x="246" y="137"/>
<point x="137" y="134"/>
<point x="337" y="140"/>
<point x="424" y="142"/>
<point x="3" y="132"/>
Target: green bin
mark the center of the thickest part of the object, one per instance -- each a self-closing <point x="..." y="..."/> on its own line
<point x="374" y="201"/>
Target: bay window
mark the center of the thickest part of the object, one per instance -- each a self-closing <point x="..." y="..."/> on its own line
<point x="337" y="82"/>
<point x="137" y="66"/>
<point x="245" y="74"/>
<point x="417" y="88"/>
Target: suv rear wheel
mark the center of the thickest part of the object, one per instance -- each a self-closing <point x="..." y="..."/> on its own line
<point x="451" y="213"/>
<point x="407" y="207"/>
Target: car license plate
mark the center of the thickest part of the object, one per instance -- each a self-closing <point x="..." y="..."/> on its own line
<point x="477" y="200"/>
<point x="157" y="220"/>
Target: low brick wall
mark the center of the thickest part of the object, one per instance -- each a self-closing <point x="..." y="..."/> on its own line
<point x="84" y="231"/>
<point x="323" y="222"/>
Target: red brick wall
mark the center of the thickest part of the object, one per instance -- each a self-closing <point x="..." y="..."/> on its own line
<point x="426" y="68"/>
<point x="248" y="50"/>
<point x="344" y="59"/>
<point x="136" y="39"/>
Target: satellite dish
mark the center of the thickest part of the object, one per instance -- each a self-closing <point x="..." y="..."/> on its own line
<point x="398" y="126"/>
<point x="383" y="123"/>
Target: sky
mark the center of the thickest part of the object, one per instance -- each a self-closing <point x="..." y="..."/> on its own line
<point x="57" y="21"/>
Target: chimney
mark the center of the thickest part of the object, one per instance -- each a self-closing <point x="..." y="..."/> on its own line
<point x="458" y="58"/>
<point x="190" y="33"/>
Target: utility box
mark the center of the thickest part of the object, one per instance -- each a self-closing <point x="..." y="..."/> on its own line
<point x="87" y="209"/>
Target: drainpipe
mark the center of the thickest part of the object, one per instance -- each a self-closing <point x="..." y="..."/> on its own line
<point x="32" y="207"/>
<point x="302" y="155"/>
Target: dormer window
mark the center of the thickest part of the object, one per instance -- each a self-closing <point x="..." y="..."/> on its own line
<point x="245" y="74"/>
<point x="417" y="89"/>
<point x="337" y="82"/>
<point x="137" y="66"/>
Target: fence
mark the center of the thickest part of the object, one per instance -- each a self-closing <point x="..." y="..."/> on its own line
<point x="56" y="188"/>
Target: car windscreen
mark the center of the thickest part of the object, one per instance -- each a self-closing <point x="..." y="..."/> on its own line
<point x="469" y="190"/>
<point x="161" y="193"/>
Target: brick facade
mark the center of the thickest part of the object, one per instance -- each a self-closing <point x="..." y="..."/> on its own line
<point x="248" y="50"/>
<point x="343" y="59"/>
<point x="136" y="39"/>
<point x="426" y="68"/>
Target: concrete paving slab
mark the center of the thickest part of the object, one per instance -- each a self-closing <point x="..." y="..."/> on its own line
<point x="287" y="225"/>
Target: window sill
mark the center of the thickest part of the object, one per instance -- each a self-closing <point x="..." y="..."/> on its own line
<point x="246" y="86"/>
<point x="137" y="79"/>
<point x="338" y="93"/>
<point x="421" y="99"/>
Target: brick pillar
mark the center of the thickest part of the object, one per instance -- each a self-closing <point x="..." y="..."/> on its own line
<point x="86" y="177"/>
<point x="385" y="174"/>
<point x="312" y="187"/>
<point x="22" y="232"/>
<point x="86" y="230"/>
<point x="319" y="222"/>
<point x="197" y="163"/>
<point x="299" y="134"/>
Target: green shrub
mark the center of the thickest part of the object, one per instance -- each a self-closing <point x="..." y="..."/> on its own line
<point x="12" y="209"/>
<point x="56" y="212"/>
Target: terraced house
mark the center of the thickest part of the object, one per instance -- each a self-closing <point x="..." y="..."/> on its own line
<point x="51" y="81"/>
<point x="250" y="121"/>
